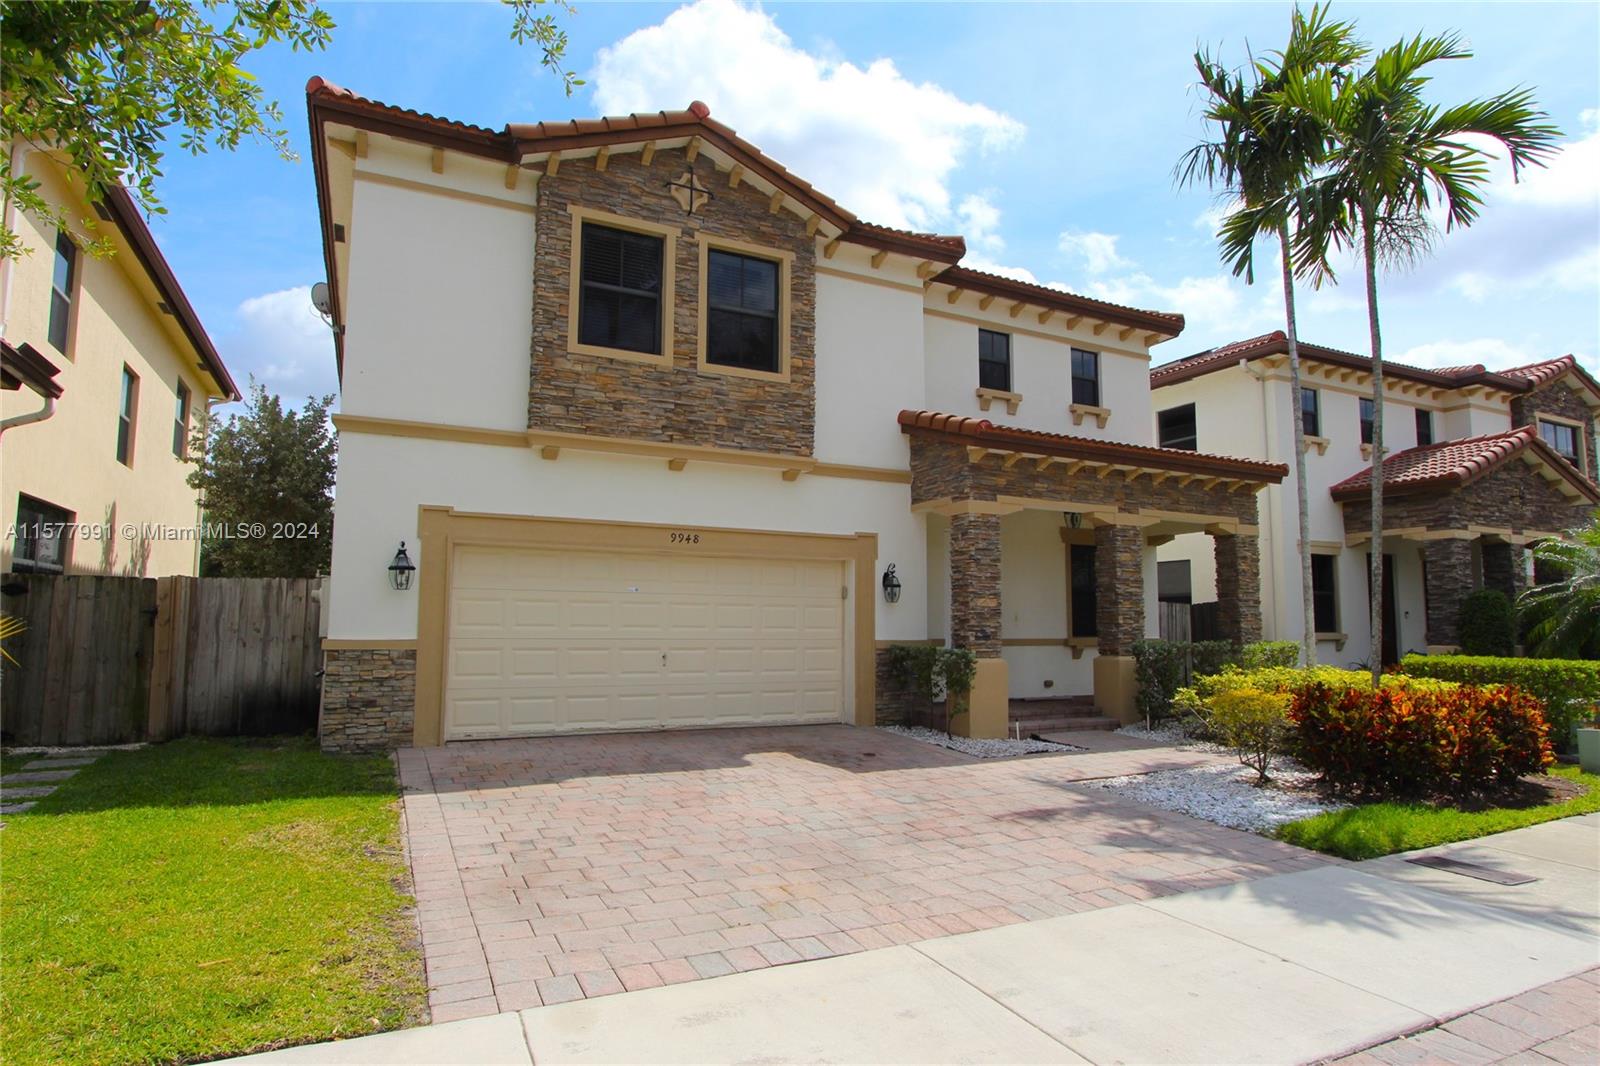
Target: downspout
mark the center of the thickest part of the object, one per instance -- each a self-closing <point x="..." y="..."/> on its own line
<point x="1269" y="520"/>
<point x="40" y="415"/>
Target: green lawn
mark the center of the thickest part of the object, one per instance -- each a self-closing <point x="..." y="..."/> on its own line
<point x="205" y="897"/>
<point x="1385" y="828"/>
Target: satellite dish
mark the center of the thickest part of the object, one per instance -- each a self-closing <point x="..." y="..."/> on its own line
<point x="319" y="298"/>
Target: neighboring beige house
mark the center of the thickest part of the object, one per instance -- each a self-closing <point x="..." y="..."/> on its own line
<point x="675" y="440"/>
<point x="133" y="368"/>
<point x="1481" y="464"/>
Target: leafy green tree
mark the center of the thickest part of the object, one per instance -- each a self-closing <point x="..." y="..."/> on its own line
<point x="1393" y="159"/>
<point x="266" y="477"/>
<point x="1260" y="159"/>
<point x="107" y="85"/>
<point x="1563" y="617"/>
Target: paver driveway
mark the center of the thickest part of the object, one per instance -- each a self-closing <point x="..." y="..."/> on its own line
<point x="556" y="868"/>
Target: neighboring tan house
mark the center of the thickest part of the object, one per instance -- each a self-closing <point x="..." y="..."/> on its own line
<point x="130" y="367"/>
<point x="1480" y="465"/>
<point x="654" y="419"/>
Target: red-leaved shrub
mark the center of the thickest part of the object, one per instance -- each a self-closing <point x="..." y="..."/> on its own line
<point x="1418" y="741"/>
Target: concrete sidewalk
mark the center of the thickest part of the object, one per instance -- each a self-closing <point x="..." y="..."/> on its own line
<point x="1296" y="968"/>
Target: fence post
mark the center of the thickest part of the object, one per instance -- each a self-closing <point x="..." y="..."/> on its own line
<point x="161" y="661"/>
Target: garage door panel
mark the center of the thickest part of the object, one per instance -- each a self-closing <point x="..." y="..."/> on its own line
<point x="554" y="642"/>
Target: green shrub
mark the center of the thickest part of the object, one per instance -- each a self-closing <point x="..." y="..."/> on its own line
<point x="1265" y="653"/>
<point x="1569" y="688"/>
<point x="1255" y="724"/>
<point x="933" y="672"/>
<point x="1208" y="657"/>
<point x="1159" y="669"/>
<point x="1409" y="740"/>
<point x="1195" y="701"/>
<point x="1488" y="624"/>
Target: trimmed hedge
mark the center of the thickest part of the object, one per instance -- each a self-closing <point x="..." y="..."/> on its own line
<point x="1163" y="667"/>
<point x="1488" y="624"/>
<point x="1266" y="653"/>
<point x="1418" y="741"/>
<point x="1569" y="688"/>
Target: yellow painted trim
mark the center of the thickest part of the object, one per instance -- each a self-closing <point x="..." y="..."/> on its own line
<point x="669" y="256"/>
<point x="443" y="529"/>
<point x="1012" y="400"/>
<point x="367" y="645"/>
<point x="887" y="283"/>
<point x="441" y="190"/>
<point x="785" y="261"/>
<point x="550" y="443"/>
<point x="931" y="642"/>
<point x="1080" y="411"/>
<point x="1571" y="423"/>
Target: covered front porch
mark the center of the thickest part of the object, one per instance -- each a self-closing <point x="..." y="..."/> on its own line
<point x="1041" y="553"/>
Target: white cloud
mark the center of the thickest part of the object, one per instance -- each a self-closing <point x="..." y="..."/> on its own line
<point x="279" y="338"/>
<point x="882" y="145"/>
<point x="979" y="220"/>
<point x="1095" y="252"/>
<point x="1493" y="352"/>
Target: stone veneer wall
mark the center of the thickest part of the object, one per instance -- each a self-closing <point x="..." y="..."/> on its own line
<point x="622" y="398"/>
<point x="1238" y="588"/>
<point x="975" y="584"/>
<point x="1511" y="497"/>
<point x="368" y="699"/>
<point x="1504" y="568"/>
<point x="1560" y="400"/>
<point x="1449" y="564"/>
<point x="1119" y="588"/>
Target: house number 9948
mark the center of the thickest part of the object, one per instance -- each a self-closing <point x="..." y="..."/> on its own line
<point x="685" y="538"/>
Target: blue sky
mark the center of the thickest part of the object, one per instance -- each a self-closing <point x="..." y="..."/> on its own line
<point x="1045" y="133"/>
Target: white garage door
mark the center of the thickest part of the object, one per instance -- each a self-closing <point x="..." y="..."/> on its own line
<point x="570" y="642"/>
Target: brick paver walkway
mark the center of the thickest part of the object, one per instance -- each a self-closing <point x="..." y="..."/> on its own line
<point x="554" y="869"/>
<point x="1559" y="1022"/>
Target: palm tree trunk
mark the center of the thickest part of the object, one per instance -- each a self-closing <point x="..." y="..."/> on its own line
<point x="1375" y="575"/>
<point x="1308" y="636"/>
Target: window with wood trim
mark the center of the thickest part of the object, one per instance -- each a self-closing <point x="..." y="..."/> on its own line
<point x="742" y="311"/>
<point x="1175" y="428"/>
<point x="1424" y="427"/>
<point x="44" y="535"/>
<point x="994" y="360"/>
<point x="180" y="422"/>
<point x="1324" y="593"/>
<point x="620" y="293"/>
<point x="127" y="416"/>
<point x="1311" y="412"/>
<point x="63" y="275"/>
<point x="1081" y="593"/>
<point x="1085" y="377"/>
<point x="1367" y="417"/>
<point x="1564" y="439"/>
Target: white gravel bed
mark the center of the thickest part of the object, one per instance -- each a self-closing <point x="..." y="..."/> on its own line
<point x="982" y="749"/>
<point x="1169" y="732"/>
<point x="1224" y="794"/>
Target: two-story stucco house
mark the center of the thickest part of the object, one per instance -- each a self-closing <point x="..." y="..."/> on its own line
<point x="106" y="368"/>
<point x="1479" y="465"/>
<point x="675" y="440"/>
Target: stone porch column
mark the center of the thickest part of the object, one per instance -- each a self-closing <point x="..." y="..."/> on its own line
<point x="1504" y="568"/>
<point x="1119" y="617"/>
<point x="1238" y="587"/>
<point x="1449" y="564"/>
<point x="975" y="620"/>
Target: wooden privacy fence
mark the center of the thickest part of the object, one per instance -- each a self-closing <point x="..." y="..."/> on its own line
<point x="112" y="660"/>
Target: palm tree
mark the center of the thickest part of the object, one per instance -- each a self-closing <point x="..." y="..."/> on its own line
<point x="1564" y="616"/>
<point x="1261" y="158"/>
<point x="1393" y="160"/>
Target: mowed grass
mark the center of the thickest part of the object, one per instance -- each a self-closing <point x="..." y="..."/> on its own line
<point x="202" y="898"/>
<point x="1385" y="828"/>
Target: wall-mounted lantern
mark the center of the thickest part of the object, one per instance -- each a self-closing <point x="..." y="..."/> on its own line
<point x="891" y="586"/>
<point x="1074" y="519"/>
<point x="401" y="570"/>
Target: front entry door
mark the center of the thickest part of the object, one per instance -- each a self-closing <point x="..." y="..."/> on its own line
<point x="1391" y="621"/>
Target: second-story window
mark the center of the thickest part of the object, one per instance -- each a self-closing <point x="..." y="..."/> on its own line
<point x="620" y="301"/>
<point x="1424" y="427"/>
<point x="1085" y="377"/>
<point x="1311" y="412"/>
<point x="1563" y="439"/>
<point x="61" y="279"/>
<point x="994" y="360"/>
<point x="1366" y="420"/>
<point x="127" y="416"/>
<point x="1175" y="428"/>
<point x="742" y="312"/>
<point x="180" y="423"/>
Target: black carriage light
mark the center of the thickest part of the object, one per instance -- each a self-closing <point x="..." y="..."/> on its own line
<point x="891" y="586"/>
<point x="401" y="569"/>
